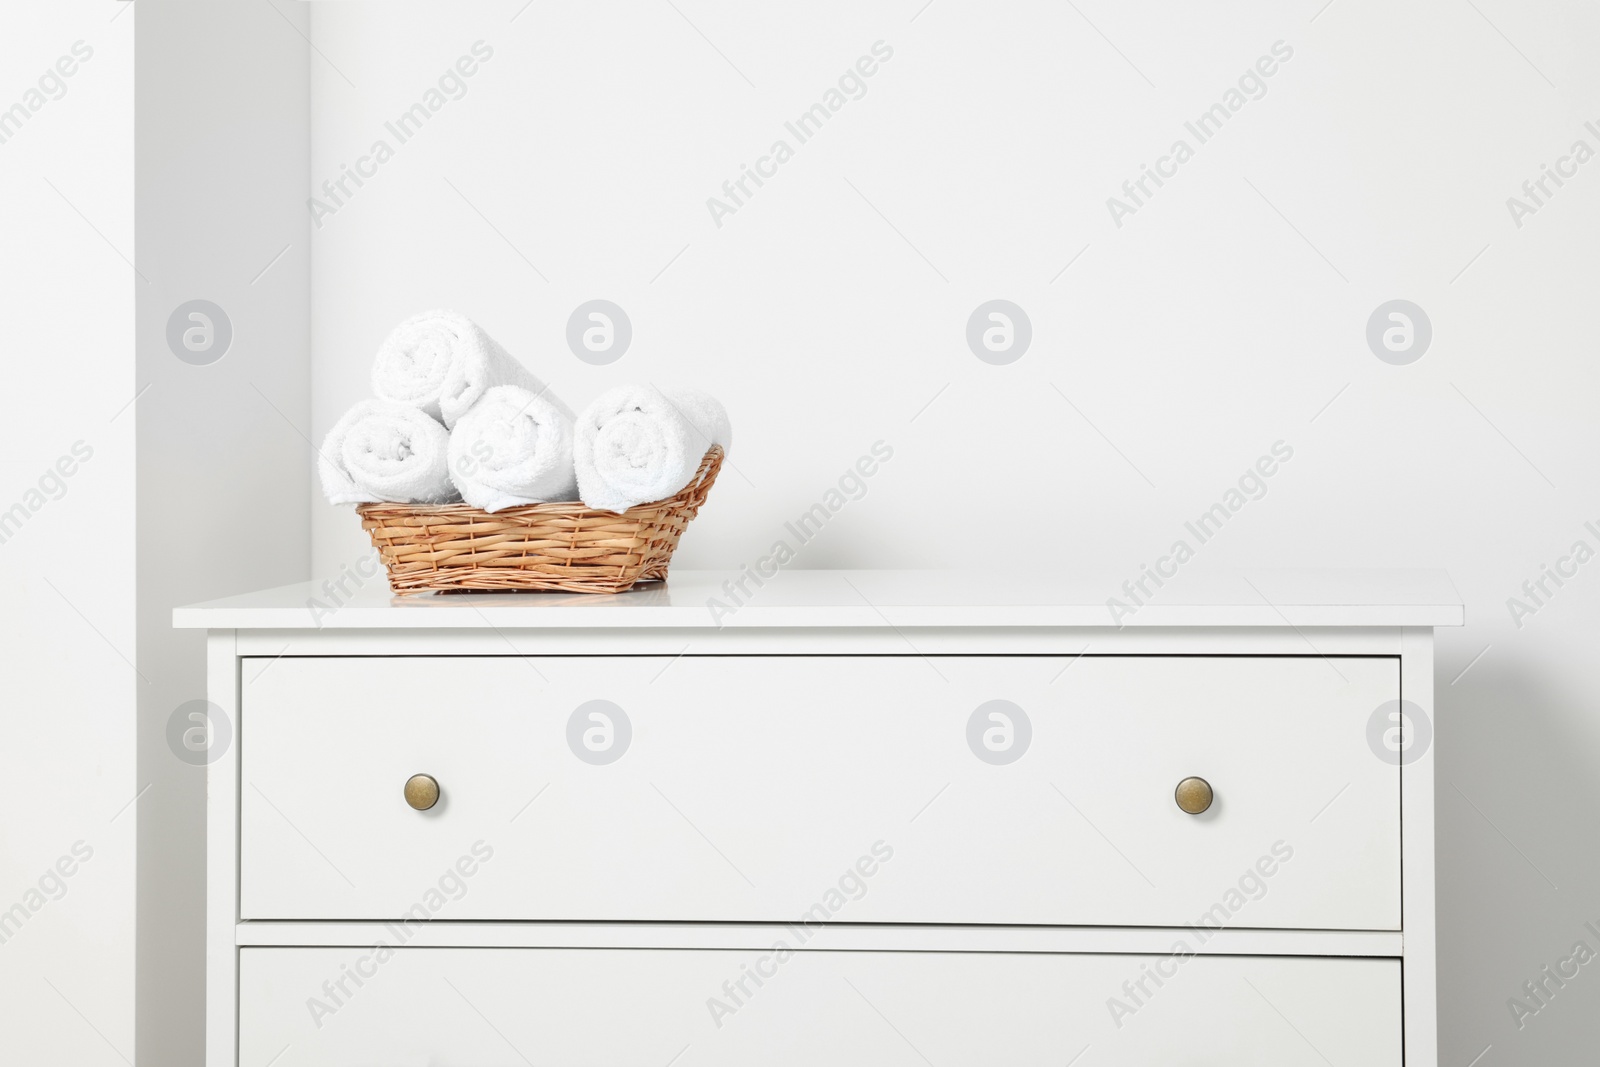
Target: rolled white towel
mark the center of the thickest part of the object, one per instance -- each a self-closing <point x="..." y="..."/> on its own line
<point x="383" y="450"/>
<point x="513" y="447"/>
<point x="443" y="362"/>
<point x="637" y="444"/>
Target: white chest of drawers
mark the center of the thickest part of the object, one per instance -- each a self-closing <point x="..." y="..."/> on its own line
<point x="843" y="818"/>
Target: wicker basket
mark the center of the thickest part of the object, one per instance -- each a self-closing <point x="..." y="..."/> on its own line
<point x="563" y="547"/>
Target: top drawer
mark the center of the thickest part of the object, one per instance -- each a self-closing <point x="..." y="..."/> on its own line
<point x="880" y="789"/>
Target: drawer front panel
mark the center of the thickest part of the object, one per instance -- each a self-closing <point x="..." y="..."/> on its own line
<point x="847" y="789"/>
<point x="301" y="1007"/>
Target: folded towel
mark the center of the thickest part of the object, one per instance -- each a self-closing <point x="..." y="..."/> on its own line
<point x="385" y="450"/>
<point x="637" y="444"/>
<point x="443" y="362"/>
<point x="513" y="447"/>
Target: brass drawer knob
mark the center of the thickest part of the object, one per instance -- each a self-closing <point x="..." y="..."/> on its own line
<point x="422" y="791"/>
<point x="1193" y="795"/>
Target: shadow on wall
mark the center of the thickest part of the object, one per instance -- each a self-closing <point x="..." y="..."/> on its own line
<point x="1517" y="888"/>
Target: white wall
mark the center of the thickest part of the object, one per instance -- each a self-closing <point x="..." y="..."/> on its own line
<point x="1225" y="315"/>
<point x="223" y="482"/>
<point x="67" y="628"/>
<point x="1221" y="318"/>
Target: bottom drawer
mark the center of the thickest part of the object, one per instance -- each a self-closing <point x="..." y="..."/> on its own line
<point x="460" y="1007"/>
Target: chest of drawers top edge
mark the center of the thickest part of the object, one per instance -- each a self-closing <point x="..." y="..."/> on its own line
<point x="1321" y="619"/>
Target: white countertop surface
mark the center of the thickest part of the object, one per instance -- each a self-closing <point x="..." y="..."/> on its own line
<point x="868" y="599"/>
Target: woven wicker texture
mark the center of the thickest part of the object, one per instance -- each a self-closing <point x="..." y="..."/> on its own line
<point x="564" y="547"/>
